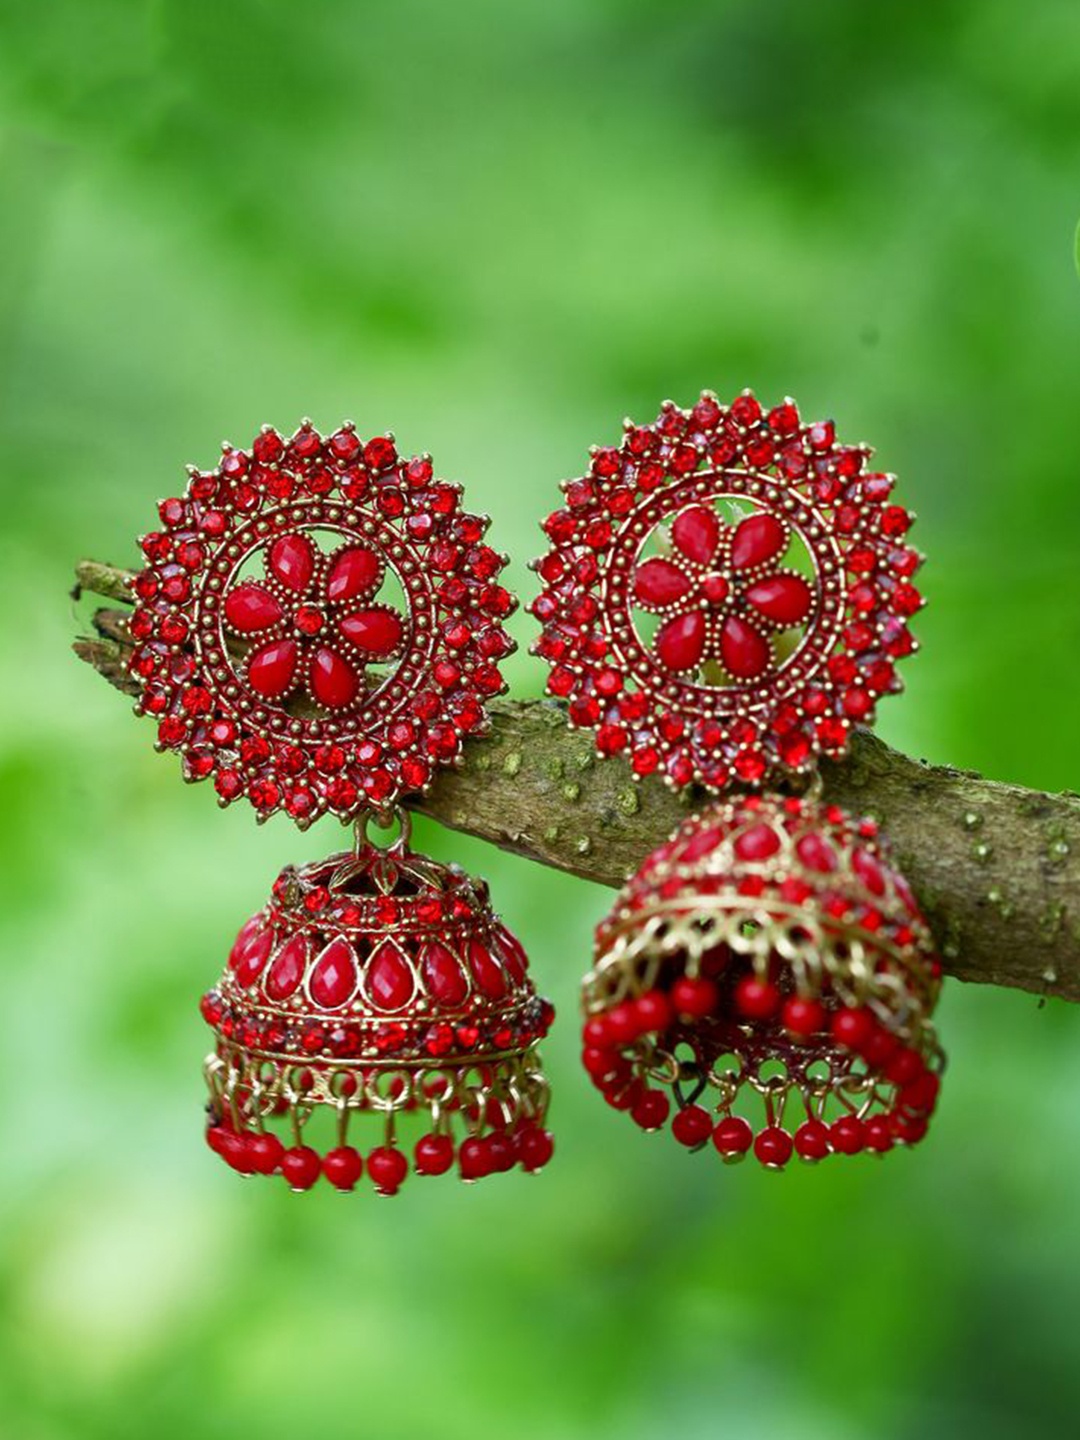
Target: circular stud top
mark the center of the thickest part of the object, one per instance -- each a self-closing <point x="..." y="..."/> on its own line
<point x="318" y="624"/>
<point x="726" y="593"/>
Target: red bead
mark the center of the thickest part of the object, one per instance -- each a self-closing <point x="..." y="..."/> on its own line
<point x="758" y="538"/>
<point x="653" y="1011"/>
<point x="502" y="1152"/>
<point x="434" y="1154"/>
<point x="250" y="607"/>
<point x="301" y="1167"/>
<point x="733" y="1136"/>
<point x="387" y="1169"/>
<point x="905" y="1066"/>
<point x="535" y="1148"/>
<point x="287" y="970"/>
<point x="651" y="1110"/>
<point x="343" y="1167"/>
<point x="377" y="632"/>
<point x="847" y="1135"/>
<point x="756" y="999"/>
<point x="474" y="1161"/>
<point x="773" y="1147"/>
<point x="852" y="1028"/>
<point x="879" y="1136"/>
<point x="757" y="843"/>
<point x="803" y="1017"/>
<point x="694" y="998"/>
<point x="812" y="1140"/>
<point x="879" y="1048"/>
<point x="597" y="1032"/>
<point x="291" y="560"/>
<point x="443" y="976"/>
<point x="692" y="1126"/>
<point x="785" y="599"/>
<point x="623" y="1024"/>
<point x="271" y="668"/>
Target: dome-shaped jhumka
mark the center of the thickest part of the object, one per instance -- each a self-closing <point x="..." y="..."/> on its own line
<point x="770" y="968"/>
<point x="376" y="993"/>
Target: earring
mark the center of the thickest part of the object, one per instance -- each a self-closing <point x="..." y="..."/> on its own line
<point x="317" y="627"/>
<point x="726" y="593"/>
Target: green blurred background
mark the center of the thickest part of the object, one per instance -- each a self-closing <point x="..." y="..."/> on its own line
<point x="497" y="229"/>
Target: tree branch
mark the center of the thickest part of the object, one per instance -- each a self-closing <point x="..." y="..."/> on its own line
<point x="995" y="866"/>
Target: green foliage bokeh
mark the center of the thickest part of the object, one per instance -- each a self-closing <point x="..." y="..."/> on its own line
<point x="496" y="230"/>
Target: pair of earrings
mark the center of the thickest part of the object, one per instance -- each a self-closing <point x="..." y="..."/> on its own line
<point x="317" y="629"/>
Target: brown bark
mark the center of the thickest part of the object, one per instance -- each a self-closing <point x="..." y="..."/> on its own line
<point x="996" y="867"/>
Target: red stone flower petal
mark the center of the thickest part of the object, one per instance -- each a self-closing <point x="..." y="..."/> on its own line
<point x="332" y="680"/>
<point x="696" y="532"/>
<point x="659" y="583"/>
<point x="758" y="538"/>
<point x="784" y="598"/>
<point x="745" y="652"/>
<point x="680" y="643"/>
<point x="354" y="574"/>
<point x="292" y="561"/>
<point x="250" y="607"/>
<point x="377" y="632"/>
<point x="271" y="670"/>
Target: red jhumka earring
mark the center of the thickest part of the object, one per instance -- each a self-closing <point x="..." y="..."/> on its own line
<point x="725" y="595"/>
<point x="317" y="626"/>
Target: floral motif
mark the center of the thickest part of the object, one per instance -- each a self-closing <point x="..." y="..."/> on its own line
<point x="312" y="621"/>
<point x="723" y="592"/>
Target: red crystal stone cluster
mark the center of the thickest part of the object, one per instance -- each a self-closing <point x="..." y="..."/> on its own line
<point x="770" y="951"/>
<point x="266" y="650"/>
<point x="756" y="669"/>
<point x="382" y="985"/>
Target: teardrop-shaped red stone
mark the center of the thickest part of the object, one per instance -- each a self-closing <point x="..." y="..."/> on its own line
<point x="680" y="642"/>
<point x="757" y="843"/>
<point x="389" y="981"/>
<point x="703" y="843"/>
<point x="353" y="573"/>
<point x="250" y="607"/>
<point x="659" y="582"/>
<point x="288" y="968"/>
<point x="512" y="954"/>
<point x="696" y="532"/>
<point x="487" y="972"/>
<point x="271" y="670"/>
<point x="333" y="977"/>
<point x="745" y="651"/>
<point x="333" y="681"/>
<point x="292" y="561"/>
<point x="757" y="538"/>
<point x="783" y="598"/>
<point x="816" y="853"/>
<point x="443" y="976"/>
<point x="376" y="631"/>
<point x="248" y="930"/>
<point x="250" y="965"/>
<point x="869" y="871"/>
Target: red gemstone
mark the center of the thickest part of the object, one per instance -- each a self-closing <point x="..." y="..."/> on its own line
<point x="783" y="598"/>
<point x="287" y="971"/>
<point x="272" y="668"/>
<point x="758" y="538"/>
<point x="487" y="972"/>
<point x="745" y="651"/>
<point x="250" y="964"/>
<point x="377" y="632"/>
<point x="816" y="853"/>
<point x="308" y="620"/>
<point x="249" y="607"/>
<point x="757" y="843"/>
<point x="353" y="573"/>
<point x="292" y="561"/>
<point x="680" y="642"/>
<point x="332" y="680"/>
<point x="389" y="980"/>
<point x="333" y="978"/>
<point x="715" y="588"/>
<point x="696" y="532"/>
<point x="443" y="976"/>
<point x="659" y="582"/>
